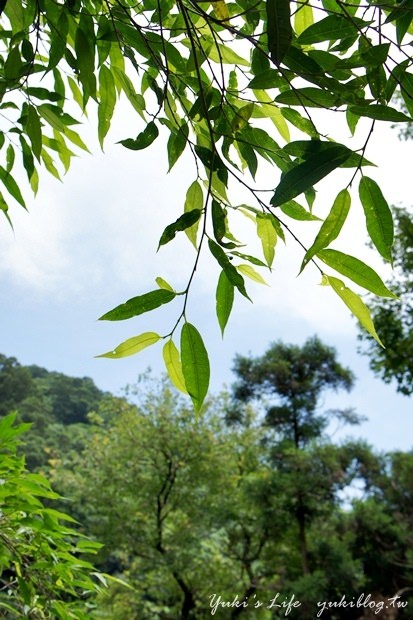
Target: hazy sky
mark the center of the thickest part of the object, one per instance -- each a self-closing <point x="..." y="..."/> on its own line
<point x="90" y="243"/>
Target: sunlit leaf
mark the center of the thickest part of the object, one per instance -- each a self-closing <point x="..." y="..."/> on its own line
<point x="331" y="226"/>
<point x="355" y="304"/>
<point x="174" y="366"/>
<point x="268" y="236"/>
<point x="194" y="200"/>
<point x="195" y="364"/>
<point x="379" y="219"/>
<point x="356" y="270"/>
<point x="131" y="346"/>
<point x="251" y="273"/>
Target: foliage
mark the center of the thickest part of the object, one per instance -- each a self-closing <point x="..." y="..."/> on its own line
<point x="394" y="318"/>
<point x="236" y="86"/>
<point x="189" y="509"/>
<point x="56" y="405"/>
<point x="43" y="570"/>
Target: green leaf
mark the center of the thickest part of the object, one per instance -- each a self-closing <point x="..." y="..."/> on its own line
<point x="267" y="79"/>
<point x="380" y="113"/>
<point x="132" y="345"/>
<point x="309" y="97"/>
<point x="251" y="273"/>
<point x="143" y="140"/>
<point x="11" y="186"/>
<point x="242" y="117"/>
<point x="224" y="300"/>
<point x="195" y="364"/>
<point x="279" y="29"/>
<point x="139" y="305"/>
<point x="233" y="276"/>
<point x="164" y="284"/>
<point x="305" y="148"/>
<point x="174" y="366"/>
<point x="331" y="226"/>
<point x="194" y="200"/>
<point x="10" y="157"/>
<point x="249" y="258"/>
<point x="176" y="144"/>
<point x="379" y="220"/>
<point x="355" y="304"/>
<point x="331" y="28"/>
<point x="356" y="270"/>
<point x="218" y="221"/>
<point x="34" y="130"/>
<point x="268" y="236"/>
<point x="186" y="220"/>
<point x="297" y="212"/>
<point x="107" y="96"/>
<point x="305" y="175"/>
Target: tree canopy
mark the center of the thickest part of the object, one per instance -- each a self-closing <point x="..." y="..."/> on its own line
<point x="239" y="87"/>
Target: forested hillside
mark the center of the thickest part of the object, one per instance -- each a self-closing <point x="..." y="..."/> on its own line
<point x="249" y="507"/>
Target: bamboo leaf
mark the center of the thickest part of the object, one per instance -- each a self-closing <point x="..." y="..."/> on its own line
<point x="143" y="140"/>
<point x="268" y="236"/>
<point x="224" y="300"/>
<point x="331" y="226"/>
<point x="355" y="304"/>
<point x="174" y="366"/>
<point x="233" y="276"/>
<point x="195" y="364"/>
<point x="186" y="220"/>
<point x="139" y="305"/>
<point x="279" y="30"/>
<point x="131" y="346"/>
<point x="379" y="219"/>
<point x="356" y="270"/>
<point x="305" y="175"/>
<point x="251" y="273"/>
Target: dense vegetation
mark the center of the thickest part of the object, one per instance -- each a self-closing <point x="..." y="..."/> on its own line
<point x="251" y="500"/>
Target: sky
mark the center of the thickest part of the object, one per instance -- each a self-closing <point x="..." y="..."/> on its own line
<point x="88" y="244"/>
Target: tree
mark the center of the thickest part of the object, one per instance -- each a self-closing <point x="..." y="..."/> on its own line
<point x="226" y="82"/>
<point x="291" y="380"/>
<point x="394" y="318"/>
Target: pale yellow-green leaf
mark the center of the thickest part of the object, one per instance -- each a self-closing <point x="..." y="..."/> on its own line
<point x="221" y="10"/>
<point x="132" y="345"/>
<point x="226" y="55"/>
<point x="268" y="109"/>
<point x="303" y="18"/>
<point x="251" y="273"/>
<point x="174" y="366"/>
<point x="194" y="200"/>
<point x="268" y="236"/>
<point x="354" y="303"/>
<point x="164" y="284"/>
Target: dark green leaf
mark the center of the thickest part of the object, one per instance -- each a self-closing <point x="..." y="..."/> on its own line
<point x="218" y="221"/>
<point x="143" y="140"/>
<point x="232" y="274"/>
<point x="268" y="79"/>
<point x="331" y="28"/>
<point x="195" y="364"/>
<point x="379" y="219"/>
<point x="380" y="112"/>
<point x="306" y="148"/>
<point x="224" y="300"/>
<point x="139" y="305"/>
<point x="34" y="131"/>
<point x="11" y="186"/>
<point x="176" y="144"/>
<point x="279" y="29"/>
<point x="186" y="220"/>
<point x="305" y="175"/>
<point x="309" y="97"/>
